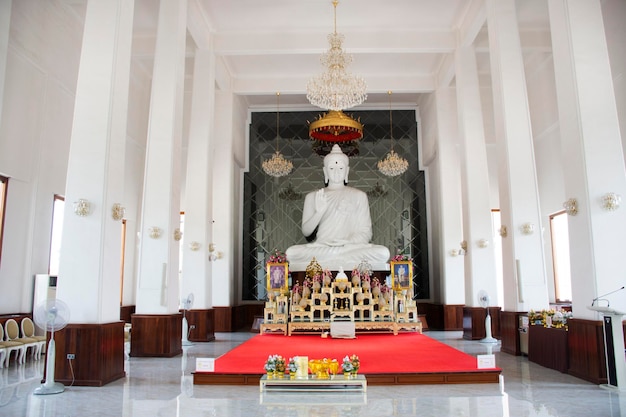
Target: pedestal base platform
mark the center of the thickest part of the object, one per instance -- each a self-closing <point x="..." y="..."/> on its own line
<point x="333" y="383"/>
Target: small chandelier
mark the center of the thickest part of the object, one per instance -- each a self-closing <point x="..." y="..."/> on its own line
<point x="393" y="164"/>
<point x="336" y="89"/>
<point x="277" y="166"/>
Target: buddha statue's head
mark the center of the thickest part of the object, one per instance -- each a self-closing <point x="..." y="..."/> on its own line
<point x="336" y="167"/>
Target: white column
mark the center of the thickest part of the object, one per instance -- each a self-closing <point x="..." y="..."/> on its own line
<point x="522" y="251"/>
<point x="480" y="271"/>
<point x="89" y="270"/>
<point x="157" y="291"/>
<point x="451" y="213"/>
<point x="223" y="201"/>
<point x="592" y="151"/>
<point x="197" y="271"/>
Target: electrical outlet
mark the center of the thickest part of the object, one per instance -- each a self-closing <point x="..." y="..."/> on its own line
<point x="71" y="356"/>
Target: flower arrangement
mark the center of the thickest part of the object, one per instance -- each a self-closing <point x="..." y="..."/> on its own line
<point x="277" y="257"/>
<point x="350" y="364"/>
<point x="401" y="257"/>
<point x="296" y="289"/>
<point x="292" y="366"/>
<point x="270" y="364"/>
<point x="275" y="364"/>
<point x="549" y="318"/>
<point x="385" y="291"/>
<point x="346" y="365"/>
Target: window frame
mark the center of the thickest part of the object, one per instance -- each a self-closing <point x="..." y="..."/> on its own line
<point x="556" y="259"/>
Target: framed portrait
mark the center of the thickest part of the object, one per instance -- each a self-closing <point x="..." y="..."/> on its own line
<point x="402" y="274"/>
<point x="277" y="277"/>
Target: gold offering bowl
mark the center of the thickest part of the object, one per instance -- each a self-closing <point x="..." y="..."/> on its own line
<point x="323" y="368"/>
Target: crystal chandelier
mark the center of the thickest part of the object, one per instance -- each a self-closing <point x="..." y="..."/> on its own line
<point x="277" y="166"/>
<point x="336" y="89"/>
<point x="393" y="164"/>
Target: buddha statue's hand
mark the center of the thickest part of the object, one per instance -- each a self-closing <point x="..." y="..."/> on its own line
<point x="321" y="201"/>
<point x="338" y="242"/>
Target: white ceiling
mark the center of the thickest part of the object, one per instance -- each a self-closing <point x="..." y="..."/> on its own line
<point x="274" y="45"/>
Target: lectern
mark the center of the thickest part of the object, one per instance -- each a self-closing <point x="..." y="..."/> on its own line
<point x="613" y="346"/>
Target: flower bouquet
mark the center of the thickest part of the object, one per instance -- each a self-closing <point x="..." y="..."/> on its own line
<point x="270" y="365"/>
<point x="350" y="365"/>
<point x="292" y="367"/>
<point x="401" y="257"/>
<point x="277" y="257"/>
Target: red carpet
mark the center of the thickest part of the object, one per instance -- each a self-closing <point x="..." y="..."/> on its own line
<point x="379" y="354"/>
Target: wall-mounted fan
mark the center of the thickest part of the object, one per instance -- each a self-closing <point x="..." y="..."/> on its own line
<point x="186" y="304"/>
<point x="51" y="315"/>
<point x="483" y="300"/>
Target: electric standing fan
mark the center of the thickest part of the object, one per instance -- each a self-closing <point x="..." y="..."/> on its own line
<point x="186" y="304"/>
<point x="51" y="315"/>
<point x="483" y="299"/>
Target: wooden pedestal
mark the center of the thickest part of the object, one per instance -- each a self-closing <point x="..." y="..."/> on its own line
<point x="98" y="350"/>
<point x="548" y="347"/>
<point x="156" y="335"/>
<point x="201" y="325"/>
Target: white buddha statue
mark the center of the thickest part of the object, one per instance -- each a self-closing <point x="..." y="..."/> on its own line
<point x="336" y="220"/>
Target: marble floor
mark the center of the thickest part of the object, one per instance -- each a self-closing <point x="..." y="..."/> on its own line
<point x="160" y="387"/>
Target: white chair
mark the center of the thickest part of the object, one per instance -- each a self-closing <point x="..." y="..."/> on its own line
<point x="12" y="330"/>
<point x="11" y="346"/>
<point x="3" y="352"/>
<point x="28" y="331"/>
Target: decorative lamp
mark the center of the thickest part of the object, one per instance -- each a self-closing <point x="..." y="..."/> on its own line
<point x="527" y="228"/>
<point x="178" y="235"/>
<point x="336" y="89"/>
<point x="82" y="207"/>
<point x="277" y="166"/>
<point x="393" y="164"/>
<point x="155" y="232"/>
<point x="571" y="206"/>
<point x="117" y="211"/>
<point x="611" y="201"/>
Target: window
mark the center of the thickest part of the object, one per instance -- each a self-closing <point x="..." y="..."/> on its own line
<point x="4" y="183"/>
<point x="560" y="257"/>
<point x="57" y="231"/>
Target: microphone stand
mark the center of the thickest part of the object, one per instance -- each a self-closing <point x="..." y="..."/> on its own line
<point x="604" y="295"/>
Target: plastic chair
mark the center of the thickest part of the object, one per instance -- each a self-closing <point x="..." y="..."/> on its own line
<point x="28" y="331"/>
<point x="12" y="330"/>
<point x="11" y="346"/>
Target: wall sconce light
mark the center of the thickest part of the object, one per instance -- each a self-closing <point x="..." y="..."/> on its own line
<point x="178" y="235"/>
<point x="482" y="243"/>
<point x="82" y="207"/>
<point x="503" y="231"/>
<point x="611" y="201"/>
<point x="213" y="255"/>
<point x="454" y="252"/>
<point x="527" y="228"/>
<point x="155" y="232"/>
<point x="117" y="211"/>
<point x="194" y="246"/>
<point x="463" y="250"/>
<point x="571" y="206"/>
